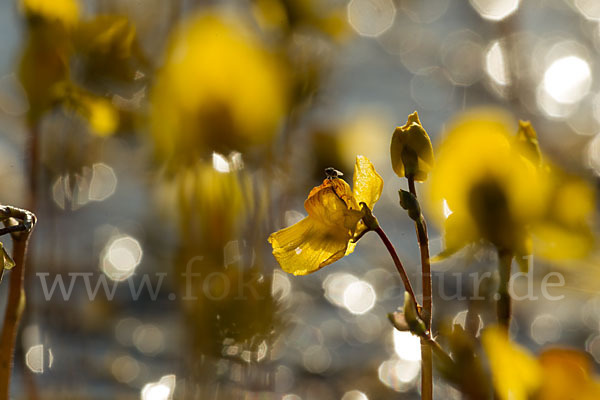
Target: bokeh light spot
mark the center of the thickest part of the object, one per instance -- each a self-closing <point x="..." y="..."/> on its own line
<point x="359" y="297"/>
<point x="593" y="154"/>
<point x="399" y="375"/>
<point x="407" y="346"/>
<point x="103" y="182"/>
<point x="354" y="395"/>
<point x="281" y="286"/>
<point x="161" y="390"/>
<point x="545" y="329"/>
<point x="568" y="79"/>
<point x="125" y="369"/>
<point x="120" y="257"/>
<point x="461" y="319"/>
<point x="34" y="358"/>
<point x="590" y="9"/>
<point x="495" y="10"/>
<point x="371" y="17"/>
<point x="335" y="286"/>
<point x="148" y="339"/>
<point x="316" y="359"/>
<point x="495" y="64"/>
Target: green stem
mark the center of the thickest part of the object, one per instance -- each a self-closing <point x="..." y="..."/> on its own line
<point x="503" y="303"/>
<point x="426" y="355"/>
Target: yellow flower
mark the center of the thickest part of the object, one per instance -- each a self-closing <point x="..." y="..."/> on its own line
<point x="556" y="374"/>
<point x="208" y="204"/>
<point x="516" y="375"/>
<point x="411" y="150"/>
<point x="334" y="217"/>
<point x="567" y="374"/>
<point x="483" y="187"/>
<point x="490" y="185"/>
<point x="219" y="90"/>
<point x="63" y="11"/>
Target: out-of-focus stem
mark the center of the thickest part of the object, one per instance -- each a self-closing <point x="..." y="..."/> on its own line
<point x="14" y="310"/>
<point x="503" y="303"/>
<point x="426" y="355"/>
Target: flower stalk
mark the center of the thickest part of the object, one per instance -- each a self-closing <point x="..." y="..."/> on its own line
<point x="503" y="302"/>
<point x="390" y="248"/>
<point x="427" y="312"/>
<point x="16" y="295"/>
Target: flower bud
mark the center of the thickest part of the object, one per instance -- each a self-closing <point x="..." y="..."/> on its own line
<point x="411" y="150"/>
<point x="415" y="323"/>
<point x="409" y="202"/>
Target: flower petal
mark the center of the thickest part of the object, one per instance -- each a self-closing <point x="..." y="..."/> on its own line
<point x="307" y="246"/>
<point x="458" y="233"/>
<point x="332" y="204"/>
<point x="367" y="184"/>
<point x="515" y="373"/>
<point x="556" y="242"/>
<point x="567" y="375"/>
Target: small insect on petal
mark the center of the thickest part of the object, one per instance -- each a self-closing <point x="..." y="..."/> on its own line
<point x="332" y="173"/>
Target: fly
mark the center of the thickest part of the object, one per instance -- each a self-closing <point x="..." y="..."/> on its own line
<point x="332" y="173"/>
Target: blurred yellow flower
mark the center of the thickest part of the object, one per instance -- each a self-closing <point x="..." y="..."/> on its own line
<point x="483" y="184"/>
<point x="411" y="150"/>
<point x="557" y="374"/>
<point x="101" y="115"/>
<point x="567" y="374"/>
<point x="102" y="47"/>
<point x="63" y="11"/>
<point x="488" y="185"/>
<point x="516" y="375"/>
<point x="106" y="47"/>
<point x="334" y="217"/>
<point x="219" y="90"/>
<point x="208" y="204"/>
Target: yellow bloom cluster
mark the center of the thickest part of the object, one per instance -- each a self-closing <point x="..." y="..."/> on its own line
<point x="334" y="218"/>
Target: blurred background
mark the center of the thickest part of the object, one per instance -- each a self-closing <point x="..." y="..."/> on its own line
<point x="158" y="139"/>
